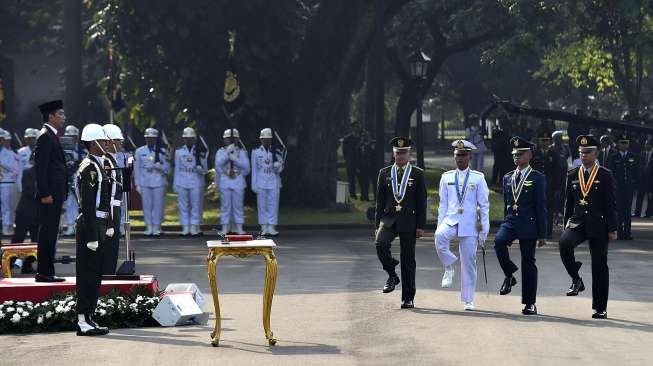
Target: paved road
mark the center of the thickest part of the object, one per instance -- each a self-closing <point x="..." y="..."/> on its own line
<point x="329" y="310"/>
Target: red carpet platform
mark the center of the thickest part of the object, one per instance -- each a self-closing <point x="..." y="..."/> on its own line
<point x="25" y="289"/>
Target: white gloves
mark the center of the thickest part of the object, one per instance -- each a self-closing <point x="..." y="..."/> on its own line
<point x="233" y="157"/>
<point x="158" y="166"/>
<point x="230" y="148"/>
<point x="277" y="165"/>
<point x="110" y="232"/>
<point x="200" y="170"/>
<point x="92" y="245"/>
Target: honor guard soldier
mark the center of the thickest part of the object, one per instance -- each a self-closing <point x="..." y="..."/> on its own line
<point x="10" y="175"/>
<point x="400" y="211"/>
<point x="115" y="173"/>
<point x="151" y="168"/>
<point x="267" y="165"/>
<point x="74" y="155"/>
<point x="190" y="170"/>
<point x="590" y="214"/>
<point x="524" y="195"/>
<point x="93" y="228"/>
<point x="624" y="166"/>
<point x="25" y="152"/>
<point x="126" y="163"/>
<point x="231" y="167"/>
<point x="607" y="150"/>
<point x="464" y="207"/>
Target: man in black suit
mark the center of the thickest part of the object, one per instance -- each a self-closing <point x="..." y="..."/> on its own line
<point x="645" y="180"/>
<point x="400" y="211"/>
<point x="590" y="214"/>
<point x="50" y="165"/>
<point x="624" y="166"/>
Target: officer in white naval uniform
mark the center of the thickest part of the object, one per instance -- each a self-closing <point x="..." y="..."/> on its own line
<point x="72" y="208"/>
<point x="151" y="176"/>
<point x="10" y="173"/>
<point x="463" y="195"/>
<point x="267" y="164"/>
<point x="124" y="159"/>
<point x="231" y="167"/>
<point x="25" y="152"/>
<point x="189" y="181"/>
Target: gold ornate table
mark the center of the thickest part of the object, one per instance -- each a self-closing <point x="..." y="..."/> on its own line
<point x="21" y="251"/>
<point x="242" y="249"/>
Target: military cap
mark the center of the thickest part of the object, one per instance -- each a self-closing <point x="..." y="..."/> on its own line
<point x="557" y="133"/>
<point x="623" y="138"/>
<point x="544" y="136"/>
<point x="462" y="147"/>
<point x="50" y="107"/>
<point x="586" y="142"/>
<point x="520" y="144"/>
<point x="605" y="138"/>
<point x="401" y="143"/>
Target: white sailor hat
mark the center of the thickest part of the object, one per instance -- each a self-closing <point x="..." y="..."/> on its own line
<point x="31" y="132"/>
<point x="462" y="147"/>
<point x="188" y="133"/>
<point x="71" y="130"/>
<point x="151" y="132"/>
<point x="5" y="135"/>
<point x="230" y="132"/>
<point x="266" y="133"/>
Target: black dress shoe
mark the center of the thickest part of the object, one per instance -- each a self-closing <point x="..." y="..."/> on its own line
<point x="600" y="314"/>
<point x="390" y="284"/>
<point x="507" y="285"/>
<point x="576" y="287"/>
<point x="43" y="278"/>
<point x="407" y="304"/>
<point x="91" y="332"/>
<point x="530" y="310"/>
<point x="91" y="322"/>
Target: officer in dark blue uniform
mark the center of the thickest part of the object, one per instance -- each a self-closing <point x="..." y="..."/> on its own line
<point x="625" y="167"/>
<point x="524" y="195"/>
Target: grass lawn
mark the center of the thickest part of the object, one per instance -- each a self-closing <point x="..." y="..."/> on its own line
<point x="296" y="216"/>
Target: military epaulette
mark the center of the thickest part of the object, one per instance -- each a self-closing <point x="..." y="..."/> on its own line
<point x="477" y="172"/>
<point x="509" y="173"/>
<point x="84" y="164"/>
<point x="449" y="172"/>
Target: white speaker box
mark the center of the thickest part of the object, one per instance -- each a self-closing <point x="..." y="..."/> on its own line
<point x="179" y="309"/>
<point x="187" y="287"/>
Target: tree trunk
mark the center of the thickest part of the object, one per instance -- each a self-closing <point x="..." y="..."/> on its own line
<point x="73" y="60"/>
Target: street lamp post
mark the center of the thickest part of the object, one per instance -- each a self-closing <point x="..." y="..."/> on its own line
<point x="419" y="64"/>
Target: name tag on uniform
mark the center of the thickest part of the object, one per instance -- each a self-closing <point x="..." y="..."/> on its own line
<point x="451" y="183"/>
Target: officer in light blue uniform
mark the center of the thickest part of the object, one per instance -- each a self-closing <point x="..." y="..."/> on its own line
<point x="524" y="195"/>
<point x="10" y="173"/>
<point x="231" y="167"/>
<point x="189" y="183"/>
<point x="25" y="152"/>
<point x="151" y="176"/>
<point x="78" y="153"/>
<point x="267" y="165"/>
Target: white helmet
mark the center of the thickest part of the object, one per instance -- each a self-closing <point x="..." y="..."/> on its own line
<point x="31" y="132"/>
<point x="228" y="133"/>
<point x="5" y="135"/>
<point x="266" y="133"/>
<point x="92" y="132"/>
<point x="71" y="131"/>
<point x="151" y="132"/>
<point x="188" y="132"/>
<point x="113" y="131"/>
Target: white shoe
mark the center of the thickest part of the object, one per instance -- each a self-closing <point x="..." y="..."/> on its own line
<point x="272" y="231"/>
<point x="194" y="230"/>
<point x="148" y="230"/>
<point x="239" y="229"/>
<point x="157" y="230"/>
<point x="122" y="229"/>
<point x="447" y="278"/>
<point x="185" y="230"/>
<point x="469" y="306"/>
<point x="224" y="230"/>
<point x="264" y="230"/>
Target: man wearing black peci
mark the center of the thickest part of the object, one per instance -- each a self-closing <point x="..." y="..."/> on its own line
<point x="50" y="165"/>
<point x="590" y="214"/>
<point x="400" y="211"/>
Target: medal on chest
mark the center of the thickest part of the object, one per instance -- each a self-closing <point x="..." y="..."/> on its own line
<point x="399" y="188"/>
<point x="517" y="187"/>
<point x="586" y="186"/>
<point x="461" y="193"/>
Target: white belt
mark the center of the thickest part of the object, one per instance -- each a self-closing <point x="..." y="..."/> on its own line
<point x="101" y="214"/>
<point x="116" y="203"/>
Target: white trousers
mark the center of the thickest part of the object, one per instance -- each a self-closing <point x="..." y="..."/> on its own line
<point x="467" y="248"/>
<point x="190" y="206"/>
<point x="267" y="203"/>
<point x="153" y="198"/>
<point x="72" y="208"/>
<point x="9" y="201"/>
<point x="231" y="206"/>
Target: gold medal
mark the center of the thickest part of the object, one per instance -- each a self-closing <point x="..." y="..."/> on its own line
<point x="398" y="207"/>
<point x="151" y="157"/>
<point x="515" y="207"/>
<point x="585" y="187"/>
<point x="460" y="210"/>
<point x="583" y="202"/>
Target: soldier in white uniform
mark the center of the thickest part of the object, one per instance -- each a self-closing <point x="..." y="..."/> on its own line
<point x="189" y="183"/>
<point x="231" y="167"/>
<point x="267" y="164"/>
<point x="151" y="175"/>
<point x="72" y="208"/>
<point x="25" y="152"/>
<point x="123" y="158"/>
<point x="10" y="173"/>
<point x="463" y="195"/>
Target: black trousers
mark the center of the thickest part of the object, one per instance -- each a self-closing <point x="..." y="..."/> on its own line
<point x="88" y="266"/>
<point x="569" y="240"/>
<point x="624" y="205"/>
<point x="384" y="239"/>
<point x="112" y="245"/>
<point x="48" y="232"/>
<point x="25" y="224"/>
<point x="641" y="196"/>
<point x="351" y="178"/>
<point x="503" y="240"/>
